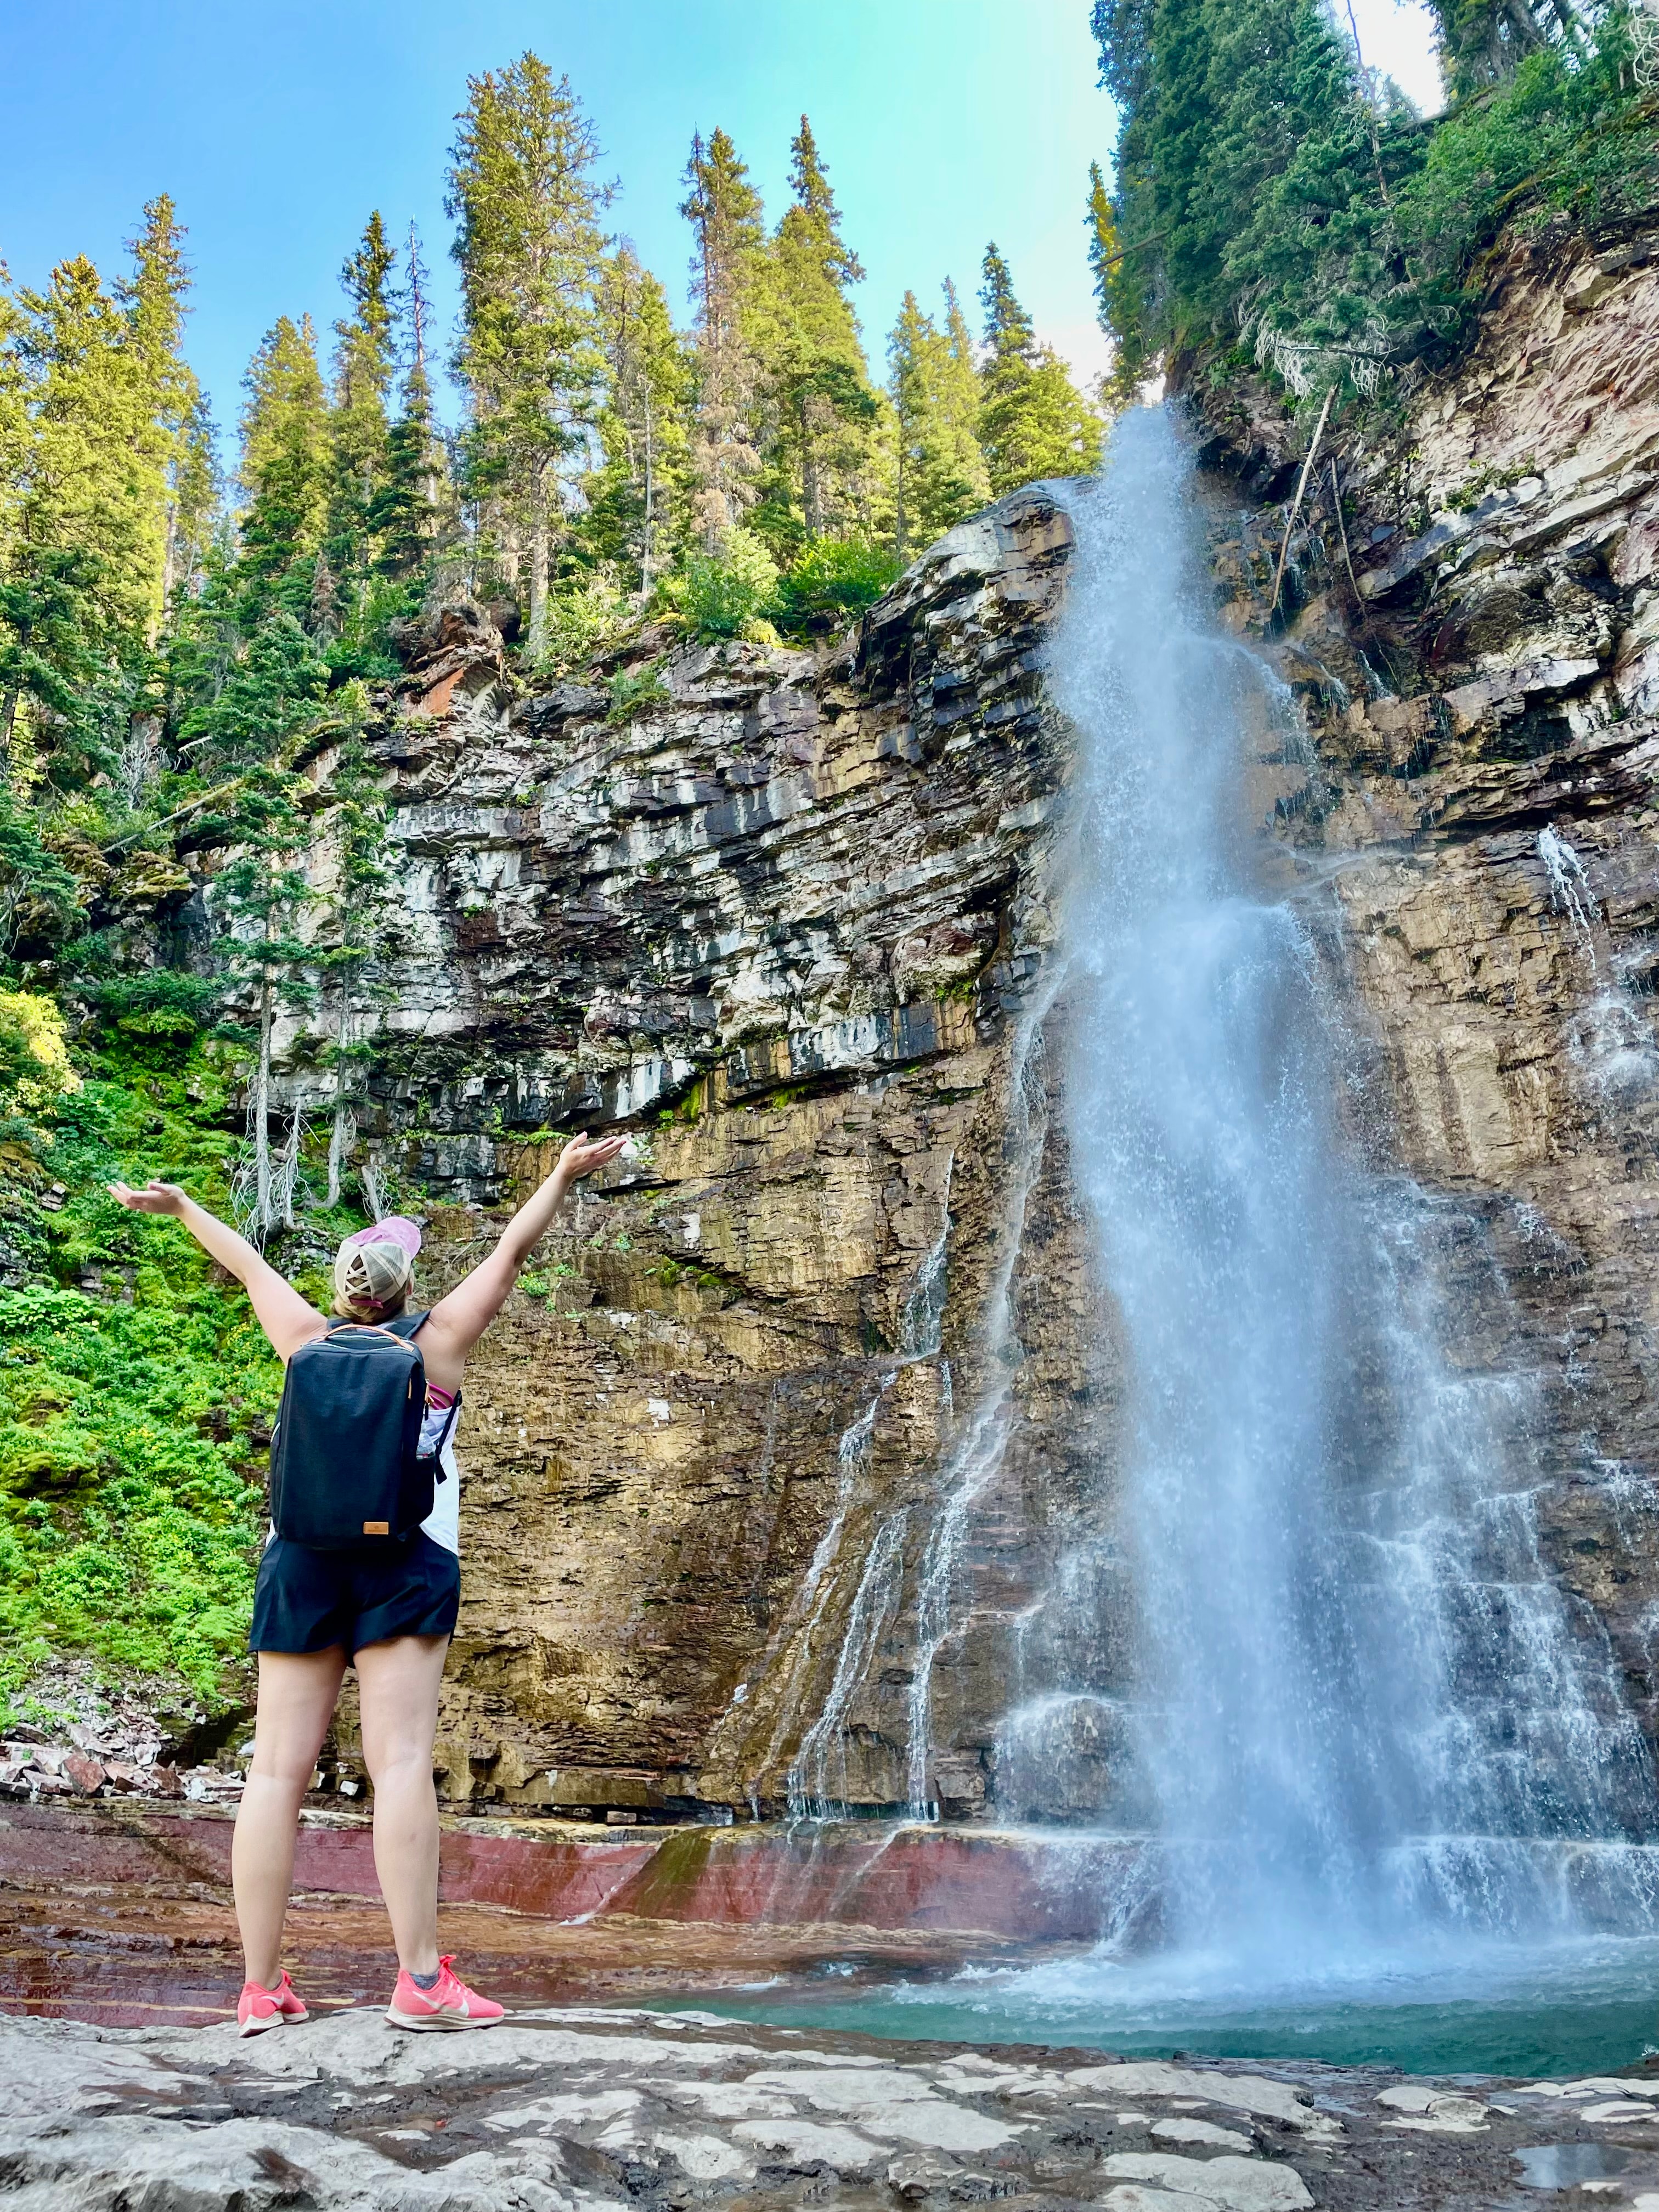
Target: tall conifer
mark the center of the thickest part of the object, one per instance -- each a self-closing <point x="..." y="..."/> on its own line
<point x="81" y="580"/>
<point x="174" y="438"/>
<point x="414" y="505"/>
<point x="286" y="471"/>
<point x="1033" y="421"/>
<point x="942" y="474"/>
<point x="639" y="499"/>
<point x="823" y="410"/>
<point x="523" y="188"/>
<point x="364" y="363"/>
<point x="724" y="210"/>
<point x="1482" y="42"/>
<point x="1255" y="188"/>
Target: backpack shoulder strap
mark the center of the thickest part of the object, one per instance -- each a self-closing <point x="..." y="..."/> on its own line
<point x="374" y="1329"/>
<point x="405" y="1325"/>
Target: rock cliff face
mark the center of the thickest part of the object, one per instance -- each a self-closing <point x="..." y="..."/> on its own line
<point x="1475" y="643"/>
<point x="767" y="1457"/>
<point x="788" y="922"/>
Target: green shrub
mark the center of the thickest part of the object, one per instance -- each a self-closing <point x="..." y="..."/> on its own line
<point x="635" y="691"/>
<point x="730" y="594"/>
<point x="159" y="1002"/>
<point x="832" y="580"/>
<point x="1558" y="138"/>
<point x="579" y="620"/>
<point x="35" y="1068"/>
<point x="1264" y="197"/>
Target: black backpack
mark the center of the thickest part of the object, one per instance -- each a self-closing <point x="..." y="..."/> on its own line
<point x="346" y="1468"/>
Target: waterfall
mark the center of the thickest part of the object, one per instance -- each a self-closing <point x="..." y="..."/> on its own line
<point x="1320" y="1660"/>
<point x="818" y="1778"/>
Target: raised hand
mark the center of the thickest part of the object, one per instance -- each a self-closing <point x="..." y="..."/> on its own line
<point x="583" y="1155"/>
<point x="154" y="1198"/>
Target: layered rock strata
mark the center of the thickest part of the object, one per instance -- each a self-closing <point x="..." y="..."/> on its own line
<point x="1474" y="640"/>
<point x="789" y="923"/>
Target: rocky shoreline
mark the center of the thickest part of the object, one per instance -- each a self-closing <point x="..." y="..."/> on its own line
<point x="571" y="2110"/>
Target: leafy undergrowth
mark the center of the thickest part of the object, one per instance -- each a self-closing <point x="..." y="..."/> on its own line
<point x="136" y="1394"/>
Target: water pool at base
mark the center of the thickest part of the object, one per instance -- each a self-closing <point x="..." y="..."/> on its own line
<point x="1564" y="2011"/>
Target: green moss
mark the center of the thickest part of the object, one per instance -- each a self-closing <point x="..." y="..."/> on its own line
<point x="667" y="1883"/>
<point x="133" y="1416"/>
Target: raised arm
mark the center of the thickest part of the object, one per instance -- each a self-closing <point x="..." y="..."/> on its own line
<point x="284" y="1314"/>
<point x="458" y="1321"/>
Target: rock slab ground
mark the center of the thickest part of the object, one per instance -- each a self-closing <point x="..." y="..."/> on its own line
<point x="570" y="2111"/>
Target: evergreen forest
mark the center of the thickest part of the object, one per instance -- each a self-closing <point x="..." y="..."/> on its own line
<point x="193" y="656"/>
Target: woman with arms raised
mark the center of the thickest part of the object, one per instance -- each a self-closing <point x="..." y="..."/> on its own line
<point x="387" y="1607"/>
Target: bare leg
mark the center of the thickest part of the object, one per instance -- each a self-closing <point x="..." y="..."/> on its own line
<point x="297" y="1690"/>
<point x="398" y="1685"/>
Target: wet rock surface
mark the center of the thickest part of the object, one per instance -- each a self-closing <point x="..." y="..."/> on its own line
<point x="1472" y="827"/>
<point x="558" y="2111"/>
<point x="121" y="1914"/>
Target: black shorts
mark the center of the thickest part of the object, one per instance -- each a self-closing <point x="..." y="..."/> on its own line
<point x="306" y="1601"/>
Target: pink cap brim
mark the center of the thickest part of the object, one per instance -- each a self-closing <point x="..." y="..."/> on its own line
<point x="396" y="1229"/>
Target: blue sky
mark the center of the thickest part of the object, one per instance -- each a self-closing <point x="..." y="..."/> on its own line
<point x="277" y="127"/>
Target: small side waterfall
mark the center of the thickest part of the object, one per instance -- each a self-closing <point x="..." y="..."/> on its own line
<point x="818" y="1774"/>
<point x="1351" y="1701"/>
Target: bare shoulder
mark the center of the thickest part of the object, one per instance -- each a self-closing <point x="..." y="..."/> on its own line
<point x="290" y="1331"/>
<point x="445" y="1339"/>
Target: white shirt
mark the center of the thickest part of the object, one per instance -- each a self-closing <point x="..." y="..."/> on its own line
<point x="443" y="1524"/>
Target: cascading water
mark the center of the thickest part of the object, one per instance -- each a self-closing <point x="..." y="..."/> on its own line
<point x="1350" y="1774"/>
<point x="1353" y="1706"/>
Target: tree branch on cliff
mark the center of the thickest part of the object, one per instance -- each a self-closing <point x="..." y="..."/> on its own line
<point x="1296" y="504"/>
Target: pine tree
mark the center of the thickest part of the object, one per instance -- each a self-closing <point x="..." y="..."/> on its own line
<point x="639" y="499"/>
<point x="942" y="474"/>
<point x="15" y="432"/>
<point x="262" y="696"/>
<point x="271" y="697"/>
<point x="259" y="895"/>
<point x="724" y="210"/>
<point x="1298" y="166"/>
<point x="961" y="387"/>
<point x="286" y="468"/>
<point x="1255" y="188"/>
<point x="358" y="433"/>
<point x="81" y="572"/>
<point x="361" y="925"/>
<point x="817" y="385"/>
<point x="1115" y="295"/>
<point x="194" y="498"/>
<point x="1483" y="42"/>
<point x="86" y="483"/>
<point x="529" y="246"/>
<point x="49" y="632"/>
<point x="175" y="445"/>
<point x="1033" y="421"/>
<point x="1009" y="331"/>
<point x="1101" y="223"/>
<point x="408" y="513"/>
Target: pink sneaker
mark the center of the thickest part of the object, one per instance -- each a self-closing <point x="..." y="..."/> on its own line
<point x="448" y="2003"/>
<point x="258" y="2007"/>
